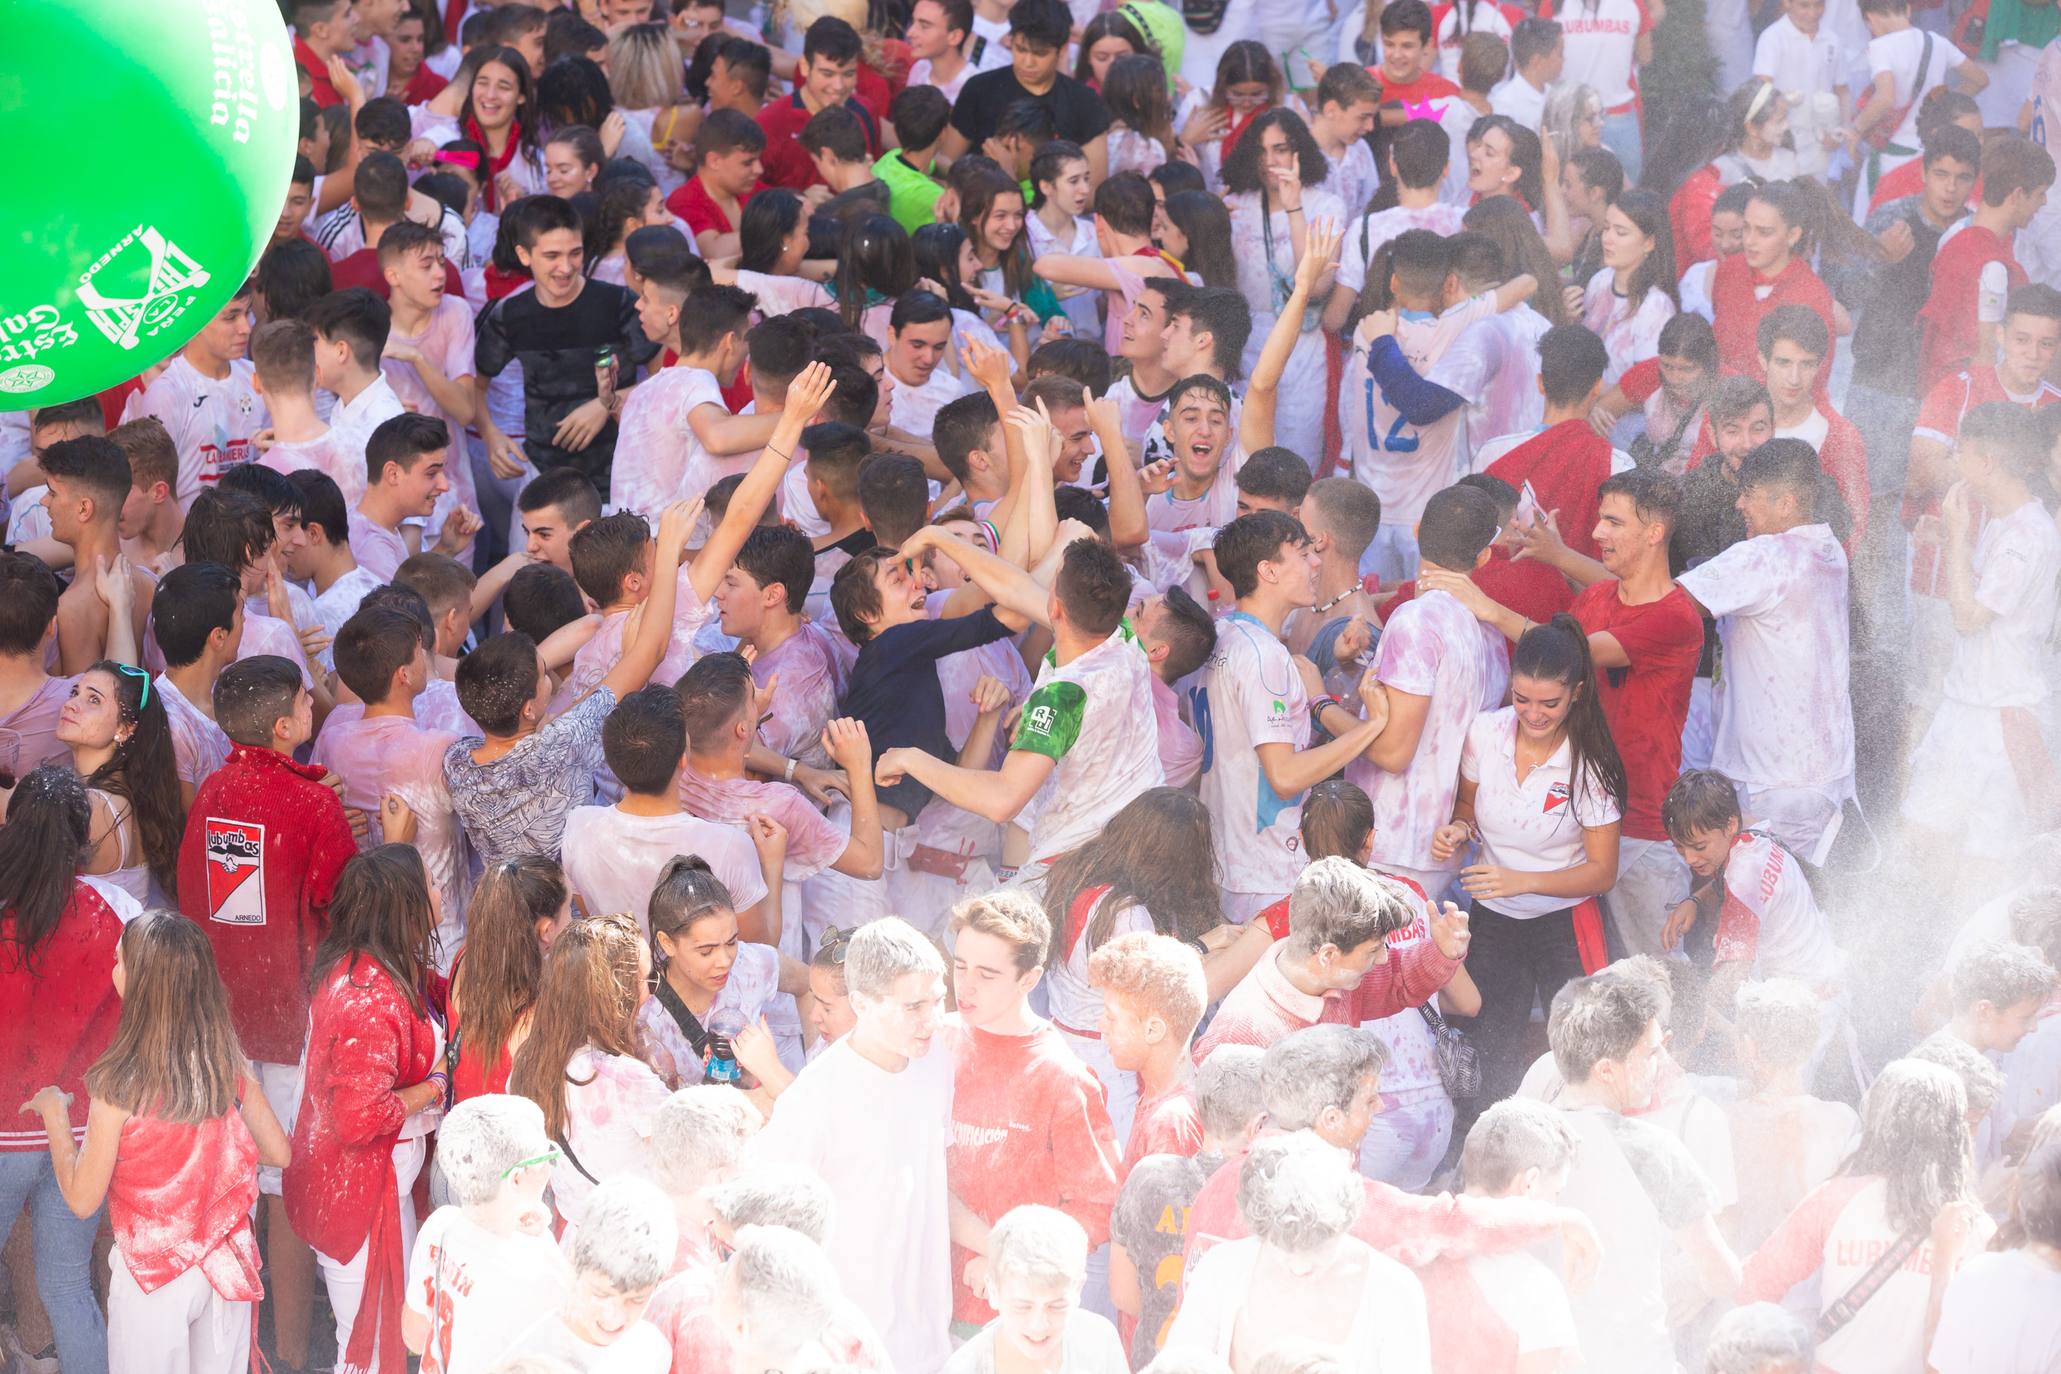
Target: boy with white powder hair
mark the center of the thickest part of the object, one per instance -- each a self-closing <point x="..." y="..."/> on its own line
<point x="870" y="1114"/>
<point x="697" y="1137"/>
<point x="483" y="1264"/>
<point x="1037" y="1262"/>
<point x="619" y="1253"/>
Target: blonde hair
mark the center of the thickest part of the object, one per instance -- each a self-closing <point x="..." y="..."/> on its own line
<point x="1011" y="916"/>
<point x="644" y="71"/>
<point x="1158" y="973"/>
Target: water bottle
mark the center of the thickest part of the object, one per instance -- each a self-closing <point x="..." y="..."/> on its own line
<point x="723" y="1025"/>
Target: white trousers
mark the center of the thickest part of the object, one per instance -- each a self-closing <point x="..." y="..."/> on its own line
<point x="344" y="1280"/>
<point x="184" y="1327"/>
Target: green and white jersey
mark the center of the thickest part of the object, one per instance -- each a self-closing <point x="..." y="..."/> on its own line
<point x="1094" y="717"/>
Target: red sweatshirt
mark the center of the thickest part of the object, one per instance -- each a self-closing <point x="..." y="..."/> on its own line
<point x="264" y="843"/>
<point x="1739" y="309"/>
<point x="1029" y="1125"/>
<point x="57" y="1012"/>
<point x="1689" y="213"/>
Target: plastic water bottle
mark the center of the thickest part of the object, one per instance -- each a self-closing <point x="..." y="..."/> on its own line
<point x="723" y="1026"/>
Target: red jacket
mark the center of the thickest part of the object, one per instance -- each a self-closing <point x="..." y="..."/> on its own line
<point x="58" y="1011"/>
<point x="1565" y="465"/>
<point x="1947" y="326"/>
<point x="365" y="1044"/>
<point x="264" y="844"/>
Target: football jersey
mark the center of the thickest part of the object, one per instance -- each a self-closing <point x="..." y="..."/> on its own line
<point x="1402" y="462"/>
<point x="1094" y="718"/>
<point x="211" y="420"/>
<point x="1249" y="695"/>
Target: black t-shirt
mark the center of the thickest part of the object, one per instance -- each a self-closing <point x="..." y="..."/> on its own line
<point x="560" y="349"/>
<point x="1078" y="114"/>
<point x="893" y="690"/>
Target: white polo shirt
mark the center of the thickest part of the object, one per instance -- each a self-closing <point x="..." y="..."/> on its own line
<point x="1534" y="826"/>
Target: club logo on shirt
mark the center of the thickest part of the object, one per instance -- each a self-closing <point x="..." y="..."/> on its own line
<point x="1040" y="719"/>
<point x="235" y="853"/>
<point x="1556" y="797"/>
<point x="148" y="294"/>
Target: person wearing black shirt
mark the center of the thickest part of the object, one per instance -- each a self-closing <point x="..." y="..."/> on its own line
<point x="1883" y="399"/>
<point x="893" y="688"/>
<point x="1038" y="34"/>
<point x="579" y="344"/>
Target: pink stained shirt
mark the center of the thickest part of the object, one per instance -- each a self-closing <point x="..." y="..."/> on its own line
<point x="813" y="843"/>
<point x="812" y="669"/>
<point x="32" y="727"/>
<point x="446" y="341"/>
<point x="1265" y="1006"/>
<point x="398" y="754"/>
<point x="598" y="656"/>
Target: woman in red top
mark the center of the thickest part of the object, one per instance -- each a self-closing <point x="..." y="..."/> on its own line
<point x="174" y="1137"/>
<point x="1771" y="270"/>
<point x="373" y="1067"/>
<point x="57" y="1014"/>
<point x="515" y="913"/>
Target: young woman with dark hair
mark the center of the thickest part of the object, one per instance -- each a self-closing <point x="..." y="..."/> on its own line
<point x="121" y="744"/>
<point x="1541" y="792"/>
<point x="1633" y="294"/>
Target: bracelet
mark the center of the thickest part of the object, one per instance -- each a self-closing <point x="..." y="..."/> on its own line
<point x="788" y="775"/>
<point x="1296" y="211"/>
<point x="783" y="457"/>
<point x="1317" y="705"/>
<point x="1200" y="945"/>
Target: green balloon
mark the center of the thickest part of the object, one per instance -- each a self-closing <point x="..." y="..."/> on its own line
<point x="148" y="144"/>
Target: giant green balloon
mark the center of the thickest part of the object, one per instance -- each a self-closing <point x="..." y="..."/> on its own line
<point x="147" y="147"/>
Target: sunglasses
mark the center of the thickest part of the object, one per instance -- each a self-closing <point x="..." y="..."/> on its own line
<point x="835" y="944"/>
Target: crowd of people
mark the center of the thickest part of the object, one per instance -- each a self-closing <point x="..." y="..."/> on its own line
<point x="937" y="685"/>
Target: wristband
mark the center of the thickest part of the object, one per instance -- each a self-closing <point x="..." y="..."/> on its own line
<point x="788" y="774"/>
<point x="1317" y="705"/>
<point x="1199" y="945"/>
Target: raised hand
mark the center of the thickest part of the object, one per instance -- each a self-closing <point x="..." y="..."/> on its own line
<point x="1319" y="254"/>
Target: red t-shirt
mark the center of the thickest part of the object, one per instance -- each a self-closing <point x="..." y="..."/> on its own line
<point x="693" y="206"/>
<point x="1908" y="179"/>
<point x="1844" y="457"/>
<point x="1429" y="86"/>
<point x="1165" y="1125"/>
<point x="319" y="89"/>
<point x="1646" y="703"/>
<point x="362" y="269"/>
<point x="784" y="161"/>
<point x="1029" y="1124"/>
<point x="1565" y="465"/>
<point x="423" y="86"/>
<point x="1739" y="308"/>
<point x="1947" y="327"/>
<point x="1527" y="587"/>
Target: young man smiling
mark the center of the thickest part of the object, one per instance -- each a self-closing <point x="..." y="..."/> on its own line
<point x="1039" y="31"/>
<point x="826" y="75"/>
<point x="1028" y="1120"/>
<point x="920" y="334"/>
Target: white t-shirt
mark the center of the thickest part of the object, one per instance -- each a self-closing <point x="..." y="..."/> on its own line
<point x="613" y="859"/>
<point x="657" y="458"/>
<point x="1783" y="715"/>
<point x="1630" y="333"/>
<point x="1771" y="921"/>
<point x="878" y="1139"/>
<point x="1091" y="1347"/>
<point x="2002" y="1315"/>
<point x="1383" y="225"/>
<point x="339" y="603"/>
<point x="1390" y="1331"/>
<point x="1094" y="716"/>
<point x="1405" y="463"/>
<point x="1250" y="695"/>
<point x="641" y="1349"/>
<point x="211" y="421"/>
<point x="1602" y="47"/>
<point x="379" y="550"/>
<point x="913" y="409"/>
<point x="919" y="75"/>
<point x="479" y="1290"/>
<point x="2017" y="564"/>
<point x="1483" y="17"/>
<point x="1494" y="364"/>
<point x="1520" y="100"/>
<point x="1898" y="54"/>
<point x="1431" y="647"/>
<point x="610" y="1100"/>
<point x="352" y="423"/>
<point x="198" y="745"/>
<point x="1533" y="826"/>
<point x="1530" y="1300"/>
<point x="1799" y="64"/>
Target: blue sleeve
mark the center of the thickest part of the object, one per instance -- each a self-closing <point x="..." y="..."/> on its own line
<point x="1420" y="402"/>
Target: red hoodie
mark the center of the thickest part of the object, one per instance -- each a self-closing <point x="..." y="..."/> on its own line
<point x="264" y="844"/>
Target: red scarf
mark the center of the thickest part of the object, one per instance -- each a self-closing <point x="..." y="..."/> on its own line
<point x="489" y="194"/>
<point x="1236" y="130"/>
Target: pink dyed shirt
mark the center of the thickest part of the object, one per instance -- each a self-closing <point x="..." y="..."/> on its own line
<point x="657" y="457"/>
<point x="32" y="727"/>
<point x="813" y="843"/>
<point x="446" y="341"/>
<point x="812" y="679"/>
<point x="379" y="550"/>
<point x="262" y="634"/>
<point x="1265" y="1006"/>
<point x="399" y="755"/>
<point x="320" y="454"/>
<point x="198" y="745"/>
<point x="598" y="656"/>
<point x="1432" y="647"/>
